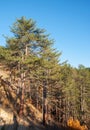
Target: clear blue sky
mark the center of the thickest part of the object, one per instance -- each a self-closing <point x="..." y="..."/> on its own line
<point x="67" y="21"/>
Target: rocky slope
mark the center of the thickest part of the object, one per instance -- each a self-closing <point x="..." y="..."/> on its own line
<point x="9" y="118"/>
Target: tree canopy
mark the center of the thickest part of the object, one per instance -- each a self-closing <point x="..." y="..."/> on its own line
<point x="57" y="90"/>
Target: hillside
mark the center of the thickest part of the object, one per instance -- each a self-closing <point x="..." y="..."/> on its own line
<point x="9" y="118"/>
<point x="7" y="110"/>
<point x="31" y="119"/>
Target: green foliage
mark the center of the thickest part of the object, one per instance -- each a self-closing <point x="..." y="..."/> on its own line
<point x="64" y="91"/>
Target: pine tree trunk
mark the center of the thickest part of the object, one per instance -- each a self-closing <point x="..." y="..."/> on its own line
<point x="26" y="50"/>
<point x="44" y="103"/>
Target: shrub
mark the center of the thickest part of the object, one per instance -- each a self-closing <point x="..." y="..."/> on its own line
<point x="74" y="124"/>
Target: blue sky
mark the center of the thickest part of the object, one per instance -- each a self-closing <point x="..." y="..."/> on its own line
<point x="67" y="22"/>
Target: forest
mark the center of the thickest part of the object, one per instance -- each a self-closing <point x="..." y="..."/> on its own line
<point x="36" y="76"/>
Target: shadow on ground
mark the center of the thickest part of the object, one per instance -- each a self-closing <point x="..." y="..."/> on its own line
<point x="31" y="127"/>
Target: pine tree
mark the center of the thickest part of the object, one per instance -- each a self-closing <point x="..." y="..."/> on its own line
<point x="22" y="44"/>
